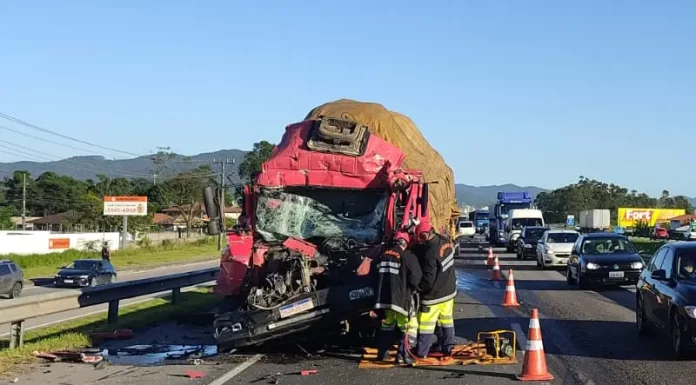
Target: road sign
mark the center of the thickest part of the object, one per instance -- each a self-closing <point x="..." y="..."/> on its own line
<point x="570" y="220"/>
<point x="125" y="206"/>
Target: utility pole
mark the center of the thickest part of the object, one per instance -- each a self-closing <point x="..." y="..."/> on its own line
<point x="222" y="198"/>
<point x="24" y="202"/>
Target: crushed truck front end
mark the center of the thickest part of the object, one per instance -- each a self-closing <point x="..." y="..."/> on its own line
<point x="330" y="196"/>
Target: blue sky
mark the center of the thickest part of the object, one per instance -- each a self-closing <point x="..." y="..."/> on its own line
<point x="525" y="92"/>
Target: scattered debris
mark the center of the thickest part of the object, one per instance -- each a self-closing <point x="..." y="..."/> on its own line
<point x="308" y="372"/>
<point x="119" y="334"/>
<point x="194" y="374"/>
<point x="69" y="356"/>
<point x="149" y="355"/>
<point x="304" y="350"/>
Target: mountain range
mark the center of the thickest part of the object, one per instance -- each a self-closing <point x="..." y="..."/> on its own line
<point x="88" y="167"/>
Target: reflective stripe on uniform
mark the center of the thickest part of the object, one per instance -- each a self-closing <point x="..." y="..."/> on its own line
<point x="448" y="262"/>
<point x="395" y="265"/>
<point x="389" y="270"/>
<point x="438" y="300"/>
<point x="391" y="306"/>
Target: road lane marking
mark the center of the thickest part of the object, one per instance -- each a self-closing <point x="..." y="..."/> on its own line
<point x="236" y="370"/>
<point x="521" y="337"/>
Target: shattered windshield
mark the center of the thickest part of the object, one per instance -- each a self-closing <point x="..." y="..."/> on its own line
<point x="317" y="214"/>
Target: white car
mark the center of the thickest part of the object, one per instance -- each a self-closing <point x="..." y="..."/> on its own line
<point x="554" y="247"/>
<point x="466" y="229"/>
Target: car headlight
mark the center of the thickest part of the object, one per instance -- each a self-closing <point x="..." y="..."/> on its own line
<point x="690" y="311"/>
<point x="526" y="246"/>
<point x="84" y="276"/>
<point x="637" y="265"/>
<point x="549" y="251"/>
<point x="592" y="266"/>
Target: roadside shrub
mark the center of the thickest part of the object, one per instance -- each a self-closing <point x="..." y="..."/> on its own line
<point x="144" y="242"/>
<point x="648" y="246"/>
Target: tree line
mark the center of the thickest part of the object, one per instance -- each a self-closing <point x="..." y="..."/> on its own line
<point x="588" y="194"/>
<point x="49" y="193"/>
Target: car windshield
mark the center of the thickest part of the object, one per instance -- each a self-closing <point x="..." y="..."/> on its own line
<point x="318" y="214"/>
<point x="561" y="238"/>
<point x="83" y="265"/>
<point x="466" y="224"/>
<point x="686" y="264"/>
<point x="519" y="223"/>
<point x="607" y="246"/>
<point x="535" y="233"/>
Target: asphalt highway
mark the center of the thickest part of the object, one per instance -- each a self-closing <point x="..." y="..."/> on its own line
<point x="589" y="338"/>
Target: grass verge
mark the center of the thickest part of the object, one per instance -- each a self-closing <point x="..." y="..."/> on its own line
<point x="46" y="265"/>
<point x="648" y="246"/>
<point x="75" y="334"/>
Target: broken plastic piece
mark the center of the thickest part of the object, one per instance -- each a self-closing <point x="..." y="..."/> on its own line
<point x="194" y="374"/>
<point x="308" y="372"/>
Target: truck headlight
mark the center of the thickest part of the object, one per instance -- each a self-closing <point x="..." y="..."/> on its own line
<point x="592" y="266"/>
<point x="637" y="265"/>
<point x="690" y="311"/>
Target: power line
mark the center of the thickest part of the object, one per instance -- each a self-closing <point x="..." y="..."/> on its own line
<point x="27" y="124"/>
<point x="52" y="142"/>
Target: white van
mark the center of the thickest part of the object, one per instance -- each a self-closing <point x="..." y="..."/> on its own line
<point x="517" y="219"/>
<point x="466" y="229"/>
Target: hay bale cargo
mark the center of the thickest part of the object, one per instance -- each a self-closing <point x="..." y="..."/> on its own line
<point x="399" y="130"/>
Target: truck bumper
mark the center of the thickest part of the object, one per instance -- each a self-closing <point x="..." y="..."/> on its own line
<point x="244" y="328"/>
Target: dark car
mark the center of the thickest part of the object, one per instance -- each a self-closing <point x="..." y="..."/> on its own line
<point x="528" y="240"/>
<point x="603" y="258"/>
<point x="666" y="295"/>
<point x="11" y="279"/>
<point x="86" y="272"/>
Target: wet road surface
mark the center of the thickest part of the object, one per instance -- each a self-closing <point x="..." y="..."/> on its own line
<point x="589" y="338"/>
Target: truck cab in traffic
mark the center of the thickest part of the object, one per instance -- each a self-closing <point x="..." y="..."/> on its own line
<point x="517" y="220"/>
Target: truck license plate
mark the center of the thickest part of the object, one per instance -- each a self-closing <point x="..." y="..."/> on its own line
<point x="616" y="274"/>
<point x="68" y="280"/>
<point x="296" y="308"/>
<point x="361" y="293"/>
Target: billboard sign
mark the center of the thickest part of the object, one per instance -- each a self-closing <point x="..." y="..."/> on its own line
<point x="125" y="206"/>
<point x="58" y="243"/>
<point x="570" y="220"/>
<point x="629" y="216"/>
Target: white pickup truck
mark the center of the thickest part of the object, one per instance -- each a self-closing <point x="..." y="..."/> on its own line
<point x="466" y="229"/>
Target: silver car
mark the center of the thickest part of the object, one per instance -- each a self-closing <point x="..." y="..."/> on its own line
<point x="11" y="279"/>
<point x="554" y="247"/>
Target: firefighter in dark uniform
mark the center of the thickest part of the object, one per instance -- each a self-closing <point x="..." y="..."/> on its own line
<point x="437" y="289"/>
<point x="399" y="275"/>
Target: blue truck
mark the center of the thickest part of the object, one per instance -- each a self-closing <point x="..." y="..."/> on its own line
<point x="505" y="202"/>
<point x="480" y="218"/>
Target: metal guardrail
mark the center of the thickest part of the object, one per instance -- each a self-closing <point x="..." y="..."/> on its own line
<point x="15" y="312"/>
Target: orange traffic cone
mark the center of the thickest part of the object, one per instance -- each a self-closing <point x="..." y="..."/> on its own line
<point x="496" y="271"/>
<point x="510" y="299"/>
<point x="534" y="366"/>
<point x="489" y="260"/>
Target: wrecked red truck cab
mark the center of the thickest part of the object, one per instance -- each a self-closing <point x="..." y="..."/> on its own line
<point x="330" y="195"/>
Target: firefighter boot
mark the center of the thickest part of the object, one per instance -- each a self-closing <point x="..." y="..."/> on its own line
<point x="385" y="340"/>
<point x="403" y="355"/>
